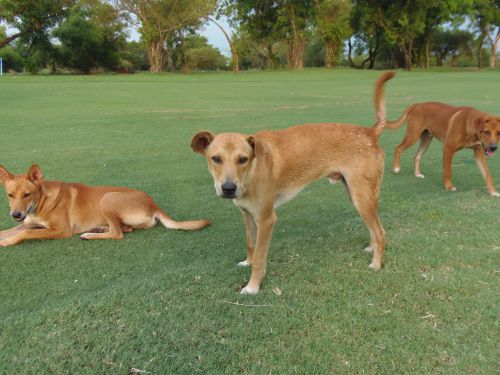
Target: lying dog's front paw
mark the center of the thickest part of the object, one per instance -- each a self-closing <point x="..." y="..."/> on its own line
<point x="85" y="236"/>
<point x="244" y="263"/>
<point x="249" y="290"/>
<point x="495" y="194"/>
<point x="5" y="243"/>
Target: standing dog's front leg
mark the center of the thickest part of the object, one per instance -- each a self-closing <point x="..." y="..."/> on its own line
<point x="265" y="225"/>
<point x="482" y="164"/>
<point x="448" y="153"/>
<point x="250" y="233"/>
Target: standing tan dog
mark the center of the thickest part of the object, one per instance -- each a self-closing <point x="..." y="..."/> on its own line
<point x="263" y="171"/>
<point x="457" y="128"/>
<point x="55" y="209"/>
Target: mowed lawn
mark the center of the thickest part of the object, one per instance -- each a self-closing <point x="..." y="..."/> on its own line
<point x="166" y="302"/>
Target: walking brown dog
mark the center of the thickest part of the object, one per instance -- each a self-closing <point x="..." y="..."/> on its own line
<point x="263" y="171"/>
<point x="457" y="128"/>
<point x="55" y="209"/>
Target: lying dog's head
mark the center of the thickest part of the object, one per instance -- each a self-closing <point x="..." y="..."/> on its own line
<point x="488" y="128"/>
<point x="22" y="190"/>
<point x="230" y="158"/>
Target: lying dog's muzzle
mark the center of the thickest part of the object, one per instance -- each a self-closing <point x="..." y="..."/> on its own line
<point x="17" y="215"/>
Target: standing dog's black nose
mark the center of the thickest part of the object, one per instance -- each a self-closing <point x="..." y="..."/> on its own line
<point x="229" y="188"/>
<point x="17" y="214"/>
<point x="493" y="147"/>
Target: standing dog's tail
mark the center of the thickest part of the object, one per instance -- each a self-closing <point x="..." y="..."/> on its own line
<point x="380" y="102"/>
<point x="170" y="223"/>
<point x="400" y="121"/>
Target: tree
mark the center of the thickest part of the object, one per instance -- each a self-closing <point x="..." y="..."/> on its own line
<point x="31" y="18"/>
<point x="487" y="19"/>
<point x="91" y="37"/>
<point x="437" y="13"/>
<point x="256" y="21"/>
<point x="367" y="22"/>
<point x="160" y="19"/>
<point x="332" y="24"/>
<point x="450" y="42"/>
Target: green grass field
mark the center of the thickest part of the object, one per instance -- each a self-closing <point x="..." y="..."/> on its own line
<point x="167" y="302"/>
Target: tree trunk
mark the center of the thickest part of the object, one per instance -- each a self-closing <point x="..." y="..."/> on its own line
<point x="480" y="47"/>
<point x="156" y="54"/>
<point x="427" y="54"/>
<point x="9" y="39"/>
<point x="407" y="50"/>
<point x="234" y="53"/>
<point x="331" y="54"/>
<point x="493" y="48"/>
<point x="296" y="45"/>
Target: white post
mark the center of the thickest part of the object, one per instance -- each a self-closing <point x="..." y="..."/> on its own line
<point x="1" y="67"/>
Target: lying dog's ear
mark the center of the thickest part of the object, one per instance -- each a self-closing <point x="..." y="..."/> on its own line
<point x="479" y="124"/>
<point x="5" y="175"/>
<point x="257" y="146"/>
<point x="200" y="141"/>
<point x="35" y="174"/>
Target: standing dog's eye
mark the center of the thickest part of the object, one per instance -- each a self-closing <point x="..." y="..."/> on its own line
<point x="216" y="159"/>
<point x="242" y="160"/>
<point x="498" y="133"/>
<point x="487" y="132"/>
<point x="26" y="195"/>
<point x="10" y="195"/>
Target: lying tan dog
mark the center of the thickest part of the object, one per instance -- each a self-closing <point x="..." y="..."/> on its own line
<point x="55" y="209"/>
<point x="263" y="171"/>
<point x="457" y="128"/>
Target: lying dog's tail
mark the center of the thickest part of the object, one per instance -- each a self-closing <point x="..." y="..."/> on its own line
<point x="170" y="223"/>
<point x="380" y="102"/>
<point x="400" y="121"/>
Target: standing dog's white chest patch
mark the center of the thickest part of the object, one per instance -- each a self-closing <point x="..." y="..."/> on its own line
<point x="284" y="196"/>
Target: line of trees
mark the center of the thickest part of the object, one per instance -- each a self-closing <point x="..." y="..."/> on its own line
<point x="91" y="35"/>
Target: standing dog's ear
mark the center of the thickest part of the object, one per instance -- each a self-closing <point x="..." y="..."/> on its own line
<point x="200" y="141"/>
<point x="479" y="124"/>
<point x="5" y="175"/>
<point x="35" y="174"/>
<point x="257" y="146"/>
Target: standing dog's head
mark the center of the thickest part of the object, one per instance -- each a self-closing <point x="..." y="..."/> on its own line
<point x="488" y="128"/>
<point x="23" y="191"/>
<point x="230" y="158"/>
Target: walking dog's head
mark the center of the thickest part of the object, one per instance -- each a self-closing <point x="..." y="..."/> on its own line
<point x="230" y="158"/>
<point x="23" y="191"/>
<point x="488" y="128"/>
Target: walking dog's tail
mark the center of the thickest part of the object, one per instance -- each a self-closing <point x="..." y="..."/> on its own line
<point x="400" y="121"/>
<point x="380" y="102"/>
<point x="170" y="223"/>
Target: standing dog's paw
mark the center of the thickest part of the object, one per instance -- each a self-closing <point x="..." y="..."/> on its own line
<point x="244" y="263"/>
<point x="495" y="194"/>
<point x="396" y="170"/>
<point x="368" y="249"/>
<point x="419" y="175"/>
<point x="249" y="290"/>
<point x="374" y="266"/>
